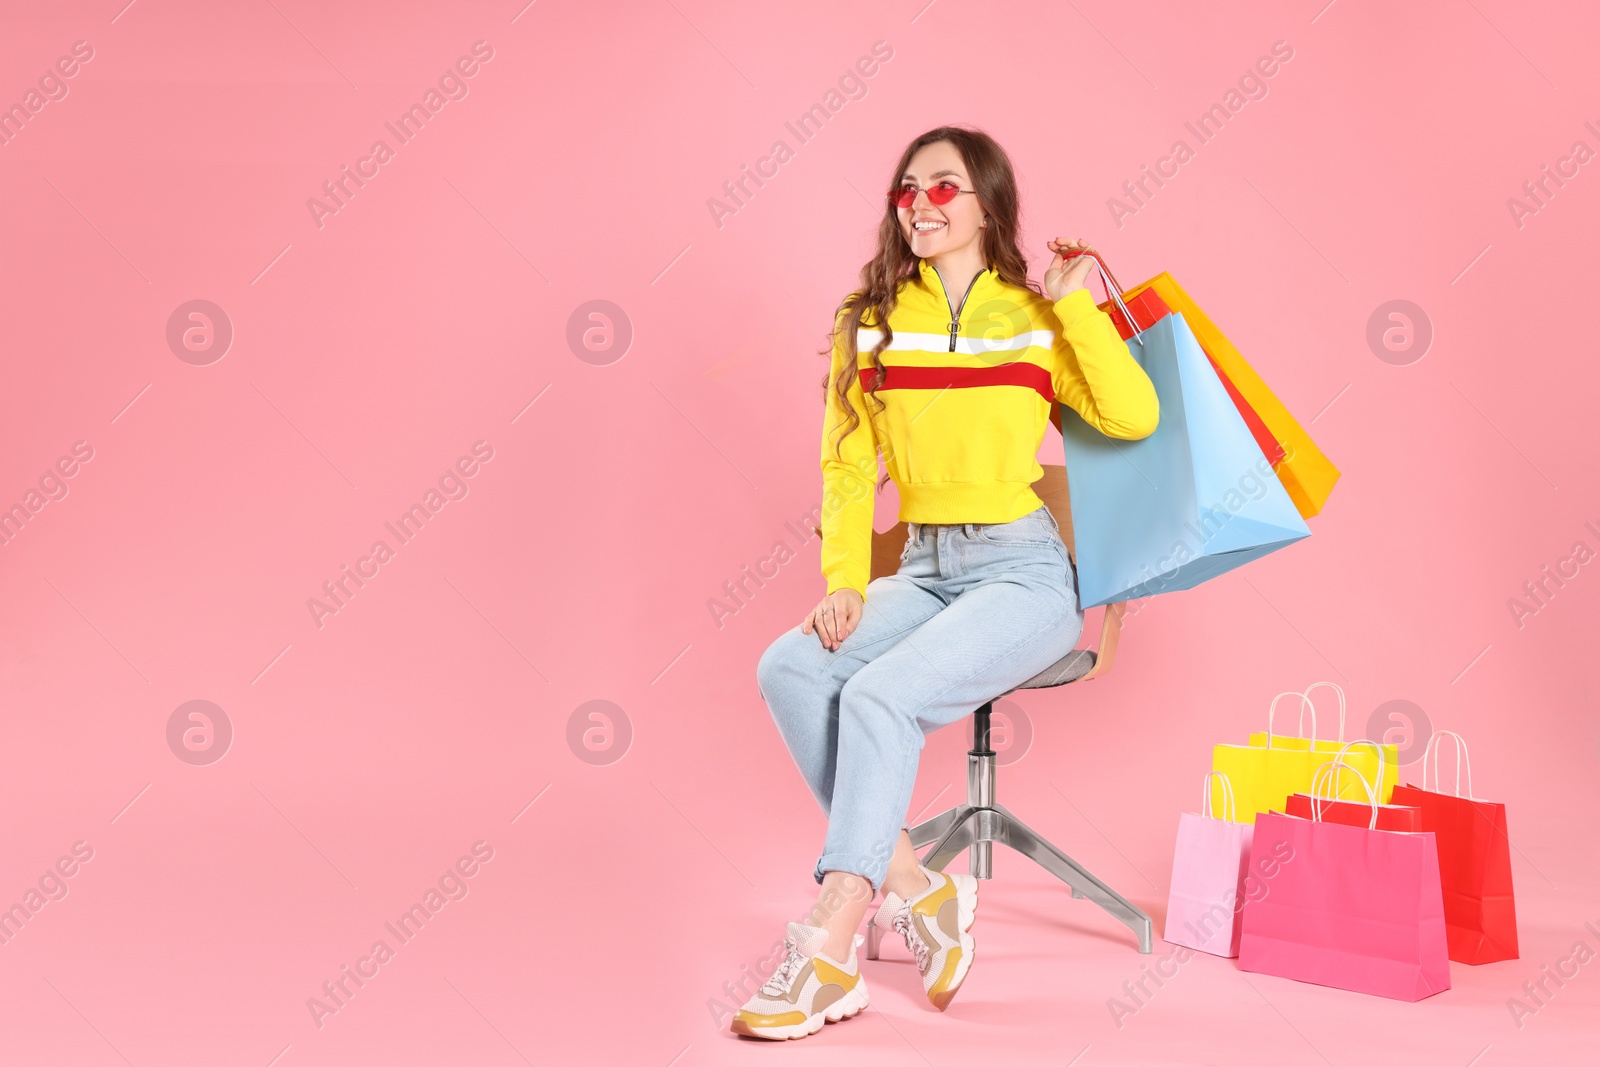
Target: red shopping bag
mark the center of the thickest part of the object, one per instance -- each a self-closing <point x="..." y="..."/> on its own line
<point x="1480" y="910"/>
<point x="1147" y="308"/>
<point x="1403" y="817"/>
<point x="1352" y="907"/>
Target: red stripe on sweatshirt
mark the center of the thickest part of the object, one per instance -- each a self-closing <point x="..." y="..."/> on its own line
<point x="1029" y="375"/>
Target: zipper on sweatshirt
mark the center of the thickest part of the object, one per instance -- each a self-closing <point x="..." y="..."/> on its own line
<point x="955" y="312"/>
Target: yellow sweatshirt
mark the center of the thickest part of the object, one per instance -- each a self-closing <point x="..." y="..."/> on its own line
<point x="967" y="386"/>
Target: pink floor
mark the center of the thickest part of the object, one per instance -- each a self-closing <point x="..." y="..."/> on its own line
<point x="191" y="488"/>
<point x="614" y="909"/>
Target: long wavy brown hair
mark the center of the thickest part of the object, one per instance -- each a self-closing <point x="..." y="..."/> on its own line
<point x="881" y="276"/>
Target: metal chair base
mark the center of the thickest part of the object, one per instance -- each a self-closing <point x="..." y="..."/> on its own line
<point x="981" y="821"/>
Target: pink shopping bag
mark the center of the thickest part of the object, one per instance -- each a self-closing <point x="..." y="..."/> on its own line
<point x="1354" y="908"/>
<point x="1208" y="874"/>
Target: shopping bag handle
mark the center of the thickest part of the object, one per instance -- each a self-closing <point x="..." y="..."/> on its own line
<point x="1461" y="754"/>
<point x="1331" y="771"/>
<point x="1113" y="289"/>
<point x="1348" y="745"/>
<point x="1092" y="254"/>
<point x="1228" y="809"/>
<point x="1307" y="695"/>
<point x="1303" y="702"/>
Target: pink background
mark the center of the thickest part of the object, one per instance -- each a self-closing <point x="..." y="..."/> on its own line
<point x="431" y="311"/>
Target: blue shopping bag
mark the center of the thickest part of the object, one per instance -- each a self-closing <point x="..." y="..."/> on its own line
<point x="1193" y="500"/>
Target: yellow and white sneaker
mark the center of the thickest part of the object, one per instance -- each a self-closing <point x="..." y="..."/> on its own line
<point x="937" y="926"/>
<point x="806" y="990"/>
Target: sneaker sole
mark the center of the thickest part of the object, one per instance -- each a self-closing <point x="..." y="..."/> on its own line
<point x="967" y="911"/>
<point x="846" y="1007"/>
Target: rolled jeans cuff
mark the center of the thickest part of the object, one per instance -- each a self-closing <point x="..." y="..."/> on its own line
<point x="873" y="870"/>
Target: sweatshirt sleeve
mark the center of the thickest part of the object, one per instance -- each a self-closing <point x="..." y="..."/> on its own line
<point x="1095" y="374"/>
<point x="848" y="481"/>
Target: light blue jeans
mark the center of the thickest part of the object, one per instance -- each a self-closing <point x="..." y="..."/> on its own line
<point x="974" y="610"/>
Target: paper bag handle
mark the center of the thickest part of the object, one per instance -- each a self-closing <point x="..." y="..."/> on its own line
<point x="1113" y="289"/>
<point x="1228" y="809"/>
<point x="1307" y="695"/>
<point x="1461" y="754"/>
<point x="1092" y="254"/>
<point x="1303" y="702"/>
<point x="1348" y="745"/>
<point x="1331" y="772"/>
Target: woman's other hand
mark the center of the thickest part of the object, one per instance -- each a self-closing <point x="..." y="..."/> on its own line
<point x="1064" y="275"/>
<point x="835" y="618"/>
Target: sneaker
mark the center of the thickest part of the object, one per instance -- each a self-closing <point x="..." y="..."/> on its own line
<point x="806" y="990"/>
<point x="937" y="925"/>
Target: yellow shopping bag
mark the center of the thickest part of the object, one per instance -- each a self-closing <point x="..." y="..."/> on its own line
<point x="1305" y="472"/>
<point x="1264" y="776"/>
<point x="1389" y="755"/>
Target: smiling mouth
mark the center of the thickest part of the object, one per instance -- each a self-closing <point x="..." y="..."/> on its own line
<point x="927" y="226"/>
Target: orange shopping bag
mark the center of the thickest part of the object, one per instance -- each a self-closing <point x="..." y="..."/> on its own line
<point x="1146" y="309"/>
<point x="1305" y="472"/>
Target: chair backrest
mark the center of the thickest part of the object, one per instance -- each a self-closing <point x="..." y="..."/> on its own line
<point x="1052" y="490"/>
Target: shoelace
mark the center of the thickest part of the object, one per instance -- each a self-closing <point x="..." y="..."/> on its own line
<point x="914" y="942"/>
<point x="787" y="971"/>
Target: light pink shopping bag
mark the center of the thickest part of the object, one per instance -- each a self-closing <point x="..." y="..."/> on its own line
<point x="1208" y="875"/>
<point x="1354" y="907"/>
